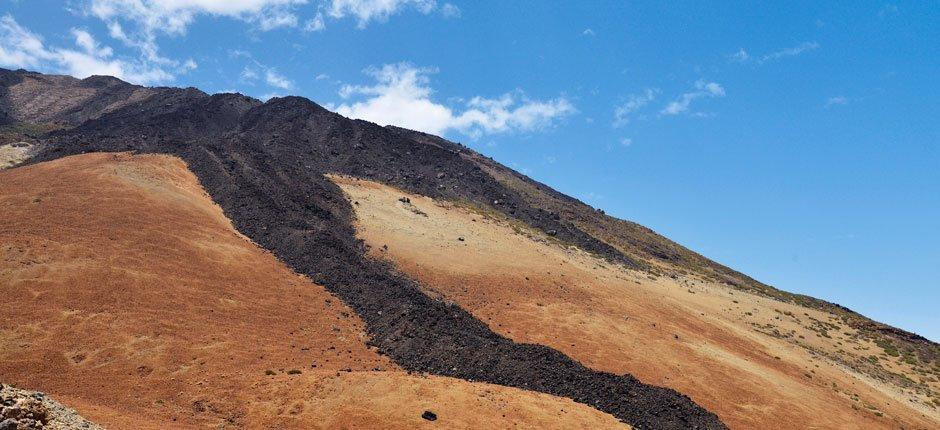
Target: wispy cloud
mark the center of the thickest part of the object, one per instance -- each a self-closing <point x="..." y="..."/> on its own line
<point x="366" y="11"/>
<point x="741" y="56"/>
<point x="173" y="17"/>
<point x="626" y="141"/>
<point x="317" y="23"/>
<point x="274" y="79"/>
<point x="836" y="101"/>
<point x="790" y="52"/>
<point x="138" y="23"/>
<point x="249" y="74"/>
<point x="256" y="71"/>
<point x="21" y="48"/>
<point x="450" y="10"/>
<point x="888" y="10"/>
<point x="701" y="89"/>
<point x="623" y="113"/>
<point x="402" y="96"/>
<point x="587" y="32"/>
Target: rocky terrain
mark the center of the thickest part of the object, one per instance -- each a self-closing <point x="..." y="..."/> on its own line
<point x="32" y="410"/>
<point x="271" y="169"/>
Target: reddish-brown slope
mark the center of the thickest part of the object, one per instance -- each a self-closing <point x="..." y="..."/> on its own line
<point x="701" y="338"/>
<point x="129" y="296"/>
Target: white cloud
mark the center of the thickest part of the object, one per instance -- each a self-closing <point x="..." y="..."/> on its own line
<point x="315" y="24"/>
<point x="402" y="96"/>
<point x="174" y="16"/>
<point x="322" y="76"/>
<point x="790" y="52"/>
<point x="376" y="10"/>
<point x="277" y="80"/>
<point x="277" y="18"/>
<point x="837" y="100"/>
<point x="450" y="10"/>
<point x="741" y="56"/>
<point x="20" y="48"/>
<point x="626" y="141"/>
<point x="702" y="89"/>
<point x="256" y="71"/>
<point x="137" y="23"/>
<point x="249" y="74"/>
<point x="87" y="42"/>
<point x="587" y="32"/>
<point x="634" y="103"/>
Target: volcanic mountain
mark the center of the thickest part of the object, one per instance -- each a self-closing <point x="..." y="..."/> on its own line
<point x="170" y="258"/>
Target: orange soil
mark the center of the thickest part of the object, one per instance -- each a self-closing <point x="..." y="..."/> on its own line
<point x="129" y="296"/>
<point x="687" y="334"/>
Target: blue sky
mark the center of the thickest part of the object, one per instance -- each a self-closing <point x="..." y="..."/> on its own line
<point x="799" y="143"/>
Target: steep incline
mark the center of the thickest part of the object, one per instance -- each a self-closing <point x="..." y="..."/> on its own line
<point x="267" y="176"/>
<point x="264" y="164"/>
<point x="130" y="296"/>
<point x="699" y="337"/>
<point x="62" y="101"/>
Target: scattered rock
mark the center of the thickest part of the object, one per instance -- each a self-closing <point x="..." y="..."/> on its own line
<point x="430" y="416"/>
<point x="31" y="410"/>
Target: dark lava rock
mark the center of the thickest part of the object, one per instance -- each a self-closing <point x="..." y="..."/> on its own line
<point x="430" y="416"/>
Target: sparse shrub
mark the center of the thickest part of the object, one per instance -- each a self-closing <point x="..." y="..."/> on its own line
<point x="889" y="347"/>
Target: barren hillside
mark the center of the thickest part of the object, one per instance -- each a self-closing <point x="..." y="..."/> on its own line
<point x="228" y="261"/>
<point x="737" y="353"/>
<point x="129" y="296"/>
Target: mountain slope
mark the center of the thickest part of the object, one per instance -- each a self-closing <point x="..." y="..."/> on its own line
<point x="128" y="294"/>
<point x="700" y="337"/>
<point x="264" y="164"/>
